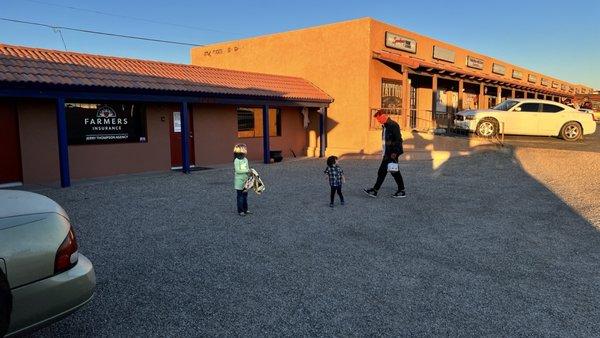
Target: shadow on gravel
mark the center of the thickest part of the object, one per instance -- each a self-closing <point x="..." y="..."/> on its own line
<point x="477" y="248"/>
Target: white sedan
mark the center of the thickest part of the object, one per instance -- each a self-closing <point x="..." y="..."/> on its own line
<point x="527" y="117"/>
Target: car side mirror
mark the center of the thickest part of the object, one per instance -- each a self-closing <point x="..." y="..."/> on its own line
<point x="517" y="109"/>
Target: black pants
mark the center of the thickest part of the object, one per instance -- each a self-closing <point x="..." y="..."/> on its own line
<point x="337" y="189"/>
<point x="242" y="201"/>
<point x="382" y="172"/>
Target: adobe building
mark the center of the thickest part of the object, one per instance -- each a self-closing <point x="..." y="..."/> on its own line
<point x="70" y="115"/>
<point x="366" y="64"/>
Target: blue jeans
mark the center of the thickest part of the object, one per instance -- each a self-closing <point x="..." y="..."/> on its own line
<point x="335" y="189"/>
<point x="242" y="201"/>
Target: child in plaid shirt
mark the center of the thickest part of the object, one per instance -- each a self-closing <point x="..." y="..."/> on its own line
<point x="335" y="175"/>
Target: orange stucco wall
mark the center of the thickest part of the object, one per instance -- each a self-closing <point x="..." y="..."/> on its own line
<point x="333" y="57"/>
<point x="338" y="59"/>
<point x="425" y="52"/>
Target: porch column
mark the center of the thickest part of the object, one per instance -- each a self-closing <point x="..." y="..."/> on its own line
<point x="63" y="145"/>
<point x="498" y="95"/>
<point x="185" y="138"/>
<point x="461" y="89"/>
<point x="266" y="140"/>
<point x="323" y="132"/>
<point x="434" y="95"/>
<point x="512" y="94"/>
<point x="406" y="97"/>
<point x="481" y="97"/>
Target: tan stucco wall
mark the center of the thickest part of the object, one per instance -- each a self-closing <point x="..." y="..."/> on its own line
<point x="333" y="57"/>
<point x="215" y="134"/>
<point x="39" y="141"/>
<point x="111" y="159"/>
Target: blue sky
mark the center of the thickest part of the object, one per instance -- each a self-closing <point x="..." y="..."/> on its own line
<point x="558" y="38"/>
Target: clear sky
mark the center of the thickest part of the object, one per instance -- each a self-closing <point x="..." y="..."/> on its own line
<point x="558" y="38"/>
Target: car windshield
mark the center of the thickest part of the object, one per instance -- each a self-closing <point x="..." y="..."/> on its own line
<point x="506" y="105"/>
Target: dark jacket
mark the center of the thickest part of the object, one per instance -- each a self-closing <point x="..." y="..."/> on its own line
<point x="393" y="139"/>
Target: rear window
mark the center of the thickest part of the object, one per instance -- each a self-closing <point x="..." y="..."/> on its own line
<point x="530" y="107"/>
<point x="551" y="108"/>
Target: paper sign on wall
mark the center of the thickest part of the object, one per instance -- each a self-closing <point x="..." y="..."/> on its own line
<point x="176" y="122"/>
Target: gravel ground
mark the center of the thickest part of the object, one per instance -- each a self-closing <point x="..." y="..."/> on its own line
<point x="479" y="247"/>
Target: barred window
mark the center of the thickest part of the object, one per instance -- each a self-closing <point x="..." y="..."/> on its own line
<point x="250" y="122"/>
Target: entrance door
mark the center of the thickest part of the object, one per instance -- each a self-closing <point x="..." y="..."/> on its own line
<point x="175" y="127"/>
<point x="413" y="105"/>
<point x="10" y="149"/>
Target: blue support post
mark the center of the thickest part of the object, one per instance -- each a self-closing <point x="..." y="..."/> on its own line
<point x="185" y="138"/>
<point x="63" y="145"/>
<point x="266" y="144"/>
<point x="323" y="132"/>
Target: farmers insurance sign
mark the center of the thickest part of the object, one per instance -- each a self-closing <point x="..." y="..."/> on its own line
<point x="93" y="123"/>
<point x="400" y="42"/>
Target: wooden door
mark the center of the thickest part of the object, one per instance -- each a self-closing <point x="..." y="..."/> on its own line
<point x="175" y="136"/>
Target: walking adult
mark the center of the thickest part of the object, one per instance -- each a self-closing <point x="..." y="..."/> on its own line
<point x="391" y="140"/>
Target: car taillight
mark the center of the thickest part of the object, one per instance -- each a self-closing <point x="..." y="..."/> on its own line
<point x="66" y="255"/>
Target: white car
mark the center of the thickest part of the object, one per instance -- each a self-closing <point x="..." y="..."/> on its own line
<point x="527" y="117"/>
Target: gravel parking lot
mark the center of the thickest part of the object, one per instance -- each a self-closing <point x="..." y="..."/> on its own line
<point x="479" y="247"/>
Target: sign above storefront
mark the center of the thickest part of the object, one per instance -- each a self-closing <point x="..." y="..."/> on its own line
<point x="517" y="74"/>
<point x="544" y="82"/>
<point x="443" y="54"/>
<point x="474" y="62"/>
<point x="400" y="42"/>
<point x="532" y="78"/>
<point x="114" y="122"/>
<point x="498" y="69"/>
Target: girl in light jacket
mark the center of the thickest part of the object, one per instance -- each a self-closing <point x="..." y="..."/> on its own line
<point x="242" y="171"/>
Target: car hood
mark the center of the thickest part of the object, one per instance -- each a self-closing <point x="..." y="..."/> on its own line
<point x="19" y="203"/>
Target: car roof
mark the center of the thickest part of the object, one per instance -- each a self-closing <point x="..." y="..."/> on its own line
<point x="534" y="100"/>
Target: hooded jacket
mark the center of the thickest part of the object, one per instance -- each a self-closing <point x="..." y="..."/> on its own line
<point x="392" y="139"/>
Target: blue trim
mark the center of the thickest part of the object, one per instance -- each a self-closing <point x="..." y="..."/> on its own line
<point x="63" y="145"/>
<point x="93" y="93"/>
<point x="185" y="138"/>
<point x="266" y="136"/>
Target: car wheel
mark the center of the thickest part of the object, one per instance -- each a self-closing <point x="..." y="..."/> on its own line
<point x="571" y="131"/>
<point x="5" y="304"/>
<point x="487" y="127"/>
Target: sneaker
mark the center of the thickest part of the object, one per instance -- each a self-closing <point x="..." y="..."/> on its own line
<point x="371" y="192"/>
<point x="242" y="214"/>
<point x="399" y="194"/>
<point x="331" y="205"/>
<point x="248" y="212"/>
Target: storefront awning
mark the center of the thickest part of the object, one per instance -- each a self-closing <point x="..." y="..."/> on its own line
<point x="458" y="73"/>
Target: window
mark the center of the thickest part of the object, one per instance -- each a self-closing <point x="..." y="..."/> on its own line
<point x="551" y="108"/>
<point x="250" y="122"/>
<point x="530" y="107"/>
<point x="506" y="105"/>
<point x="391" y="96"/>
